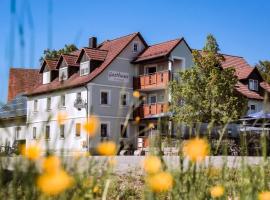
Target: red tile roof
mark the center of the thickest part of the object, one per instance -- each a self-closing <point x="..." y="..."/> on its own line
<point x="69" y="59"/>
<point x="158" y="50"/>
<point x="244" y="90"/>
<point x="113" y="47"/>
<point x="94" y="54"/>
<point x="242" y="68"/>
<point x="21" y="81"/>
<point x="51" y="64"/>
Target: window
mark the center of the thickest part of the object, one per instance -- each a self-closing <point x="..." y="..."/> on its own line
<point x="84" y="68"/>
<point x="46" y="77"/>
<point x="49" y="103"/>
<point x="63" y="100"/>
<point x="253" y="84"/>
<point x="63" y="74"/>
<point x="123" y="130"/>
<point x="35" y="105"/>
<point x="104" y="130"/>
<point x="78" y="129"/>
<point x="104" y="98"/>
<point x="62" y="131"/>
<point x="151" y="70"/>
<point x="34" y="133"/>
<point x="124" y="99"/>
<point x="135" y="47"/>
<point x="142" y="131"/>
<point x="47" y="133"/>
<point x="17" y="132"/>
<point x="253" y="107"/>
<point x="152" y="99"/>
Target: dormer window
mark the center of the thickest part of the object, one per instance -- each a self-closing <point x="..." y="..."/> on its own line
<point x="135" y="47"/>
<point x="46" y="77"/>
<point x="84" y="68"/>
<point x="253" y="84"/>
<point x="63" y="74"/>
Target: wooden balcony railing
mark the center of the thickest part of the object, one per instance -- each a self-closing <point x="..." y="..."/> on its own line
<point x="152" y="81"/>
<point x="148" y="110"/>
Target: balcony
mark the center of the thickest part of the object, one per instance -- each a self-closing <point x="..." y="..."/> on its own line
<point x="151" y="110"/>
<point x="156" y="81"/>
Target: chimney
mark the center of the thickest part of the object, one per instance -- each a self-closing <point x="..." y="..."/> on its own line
<point x="92" y="42"/>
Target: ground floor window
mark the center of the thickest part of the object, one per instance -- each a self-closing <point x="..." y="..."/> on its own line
<point x="34" y="133"/>
<point x="62" y="131"/>
<point x="47" y="132"/>
<point x="142" y="131"/>
<point x="104" y="129"/>
<point x="17" y="132"/>
<point x="78" y="129"/>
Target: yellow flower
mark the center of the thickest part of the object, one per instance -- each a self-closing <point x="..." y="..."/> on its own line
<point x="136" y="94"/>
<point x="32" y="152"/>
<point x="196" y="149"/>
<point x="151" y="125"/>
<point x="54" y="183"/>
<point x="61" y="117"/>
<point x="107" y="148"/>
<point x="160" y="182"/>
<point x="96" y="190"/>
<point x="152" y="164"/>
<point x="51" y="164"/>
<point x="137" y="119"/>
<point x="217" y="191"/>
<point x="264" y="195"/>
<point x="91" y="125"/>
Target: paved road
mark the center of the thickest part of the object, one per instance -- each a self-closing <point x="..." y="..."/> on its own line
<point x="133" y="163"/>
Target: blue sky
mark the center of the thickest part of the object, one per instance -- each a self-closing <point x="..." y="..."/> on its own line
<point x="240" y="26"/>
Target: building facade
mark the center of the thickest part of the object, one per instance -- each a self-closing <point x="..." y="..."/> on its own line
<point x="100" y="80"/>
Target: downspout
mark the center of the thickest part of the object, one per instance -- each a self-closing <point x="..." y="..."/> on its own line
<point x="87" y="118"/>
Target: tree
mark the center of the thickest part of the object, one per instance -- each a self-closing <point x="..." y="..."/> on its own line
<point x="54" y="54"/>
<point x="206" y="92"/>
<point x="264" y="68"/>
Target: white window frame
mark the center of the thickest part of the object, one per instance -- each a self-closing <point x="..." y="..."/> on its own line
<point x="82" y="65"/>
<point x="18" y="130"/>
<point x="127" y="130"/>
<point x="63" y="69"/>
<point x="252" y="109"/>
<point x="149" y="98"/>
<point x="48" y="106"/>
<point x="127" y="99"/>
<point x="60" y="131"/>
<point x="149" y="66"/>
<point x="46" y="77"/>
<point x="109" y="97"/>
<point x="251" y="84"/>
<point x="35" y="105"/>
<point x="46" y="132"/>
<point x="78" y="136"/>
<point x="108" y="129"/>
<point x="138" y="47"/>
<point x="34" y="133"/>
<point x="61" y="102"/>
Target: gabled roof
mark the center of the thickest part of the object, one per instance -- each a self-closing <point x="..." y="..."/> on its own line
<point x="51" y="64"/>
<point x="244" y="90"/>
<point x="93" y="54"/>
<point x="70" y="59"/>
<point x="15" y="108"/>
<point x="242" y="68"/>
<point x="113" y="47"/>
<point x="21" y="81"/>
<point x="158" y="50"/>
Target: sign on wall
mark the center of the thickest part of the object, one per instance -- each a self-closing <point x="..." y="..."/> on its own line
<point x="118" y="76"/>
